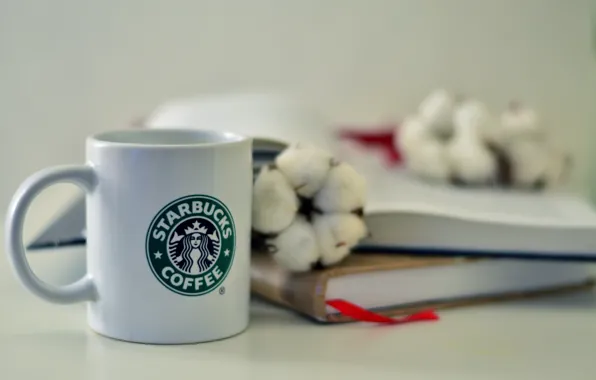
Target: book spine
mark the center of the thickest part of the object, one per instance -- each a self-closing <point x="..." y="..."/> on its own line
<point x="306" y="294"/>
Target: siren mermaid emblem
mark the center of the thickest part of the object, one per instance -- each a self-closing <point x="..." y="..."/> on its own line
<point x="194" y="251"/>
<point x="190" y="244"/>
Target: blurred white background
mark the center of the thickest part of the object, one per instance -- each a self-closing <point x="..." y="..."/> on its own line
<point x="70" y="68"/>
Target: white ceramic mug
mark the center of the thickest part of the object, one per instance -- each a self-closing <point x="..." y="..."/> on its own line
<point x="168" y="234"/>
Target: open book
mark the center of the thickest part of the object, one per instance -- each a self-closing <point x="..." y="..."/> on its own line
<point x="272" y="120"/>
<point x="404" y="214"/>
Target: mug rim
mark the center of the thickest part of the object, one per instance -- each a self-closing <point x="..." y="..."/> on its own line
<point x="134" y="138"/>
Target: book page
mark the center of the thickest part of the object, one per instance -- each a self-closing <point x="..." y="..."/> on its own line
<point x="395" y="190"/>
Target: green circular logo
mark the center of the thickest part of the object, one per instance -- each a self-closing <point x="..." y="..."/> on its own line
<point x="190" y="244"/>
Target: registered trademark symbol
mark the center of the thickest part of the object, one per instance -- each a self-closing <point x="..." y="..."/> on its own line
<point x="222" y="290"/>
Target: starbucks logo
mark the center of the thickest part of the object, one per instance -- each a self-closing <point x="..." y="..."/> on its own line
<point x="190" y="244"/>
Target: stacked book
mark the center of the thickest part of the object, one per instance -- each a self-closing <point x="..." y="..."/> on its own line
<point x="441" y="247"/>
<point x="430" y="246"/>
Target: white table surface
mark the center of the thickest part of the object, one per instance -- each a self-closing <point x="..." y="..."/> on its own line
<point x="553" y="338"/>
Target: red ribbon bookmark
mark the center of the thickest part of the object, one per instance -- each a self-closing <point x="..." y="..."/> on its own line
<point x="381" y="139"/>
<point x="363" y="315"/>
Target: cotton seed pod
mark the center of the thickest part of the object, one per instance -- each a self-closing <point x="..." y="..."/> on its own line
<point x="520" y="121"/>
<point x="305" y="166"/>
<point x="337" y="234"/>
<point x="307" y="232"/>
<point x="295" y="248"/>
<point x="559" y="171"/>
<point x="530" y="162"/>
<point x="424" y="154"/>
<point x="412" y="130"/>
<point x="275" y="203"/>
<point x="559" y="168"/>
<point x="428" y="160"/>
<point x="344" y="190"/>
<point x="437" y="110"/>
<point x="472" y="163"/>
<point x="472" y="114"/>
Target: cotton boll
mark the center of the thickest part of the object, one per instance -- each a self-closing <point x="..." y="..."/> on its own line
<point x="336" y="235"/>
<point x="471" y="161"/>
<point x="530" y="162"/>
<point x="412" y="130"/>
<point x="537" y="162"/>
<point x="558" y="168"/>
<point x="295" y="248"/>
<point x="472" y="115"/>
<point x="520" y="122"/>
<point x="475" y="116"/>
<point x="344" y="190"/>
<point x="437" y="110"/>
<point x="424" y="155"/>
<point x="305" y="166"/>
<point x="429" y="161"/>
<point x="275" y="203"/>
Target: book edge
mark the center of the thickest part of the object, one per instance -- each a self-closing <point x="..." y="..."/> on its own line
<point x="480" y="300"/>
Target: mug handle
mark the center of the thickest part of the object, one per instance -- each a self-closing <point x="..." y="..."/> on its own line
<point x="78" y="291"/>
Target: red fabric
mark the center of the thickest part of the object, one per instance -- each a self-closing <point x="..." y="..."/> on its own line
<point x="381" y="139"/>
<point x="363" y="315"/>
